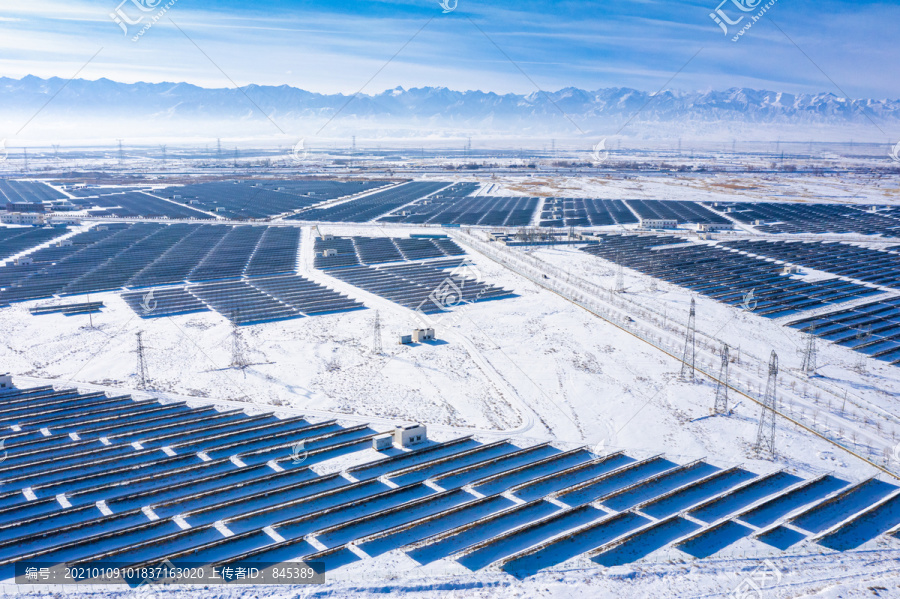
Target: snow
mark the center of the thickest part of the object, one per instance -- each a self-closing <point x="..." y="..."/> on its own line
<point x="532" y="368"/>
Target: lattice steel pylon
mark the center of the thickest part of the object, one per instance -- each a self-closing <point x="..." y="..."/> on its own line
<point x="809" y="353"/>
<point x="687" y="358"/>
<point x="141" y="362"/>
<point x="721" y="405"/>
<point x="765" y="434"/>
<point x="238" y="357"/>
<point x="620" y="276"/>
<point x="376" y="335"/>
<point x="653" y="284"/>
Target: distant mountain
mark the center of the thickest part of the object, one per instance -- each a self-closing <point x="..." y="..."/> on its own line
<point x="434" y="110"/>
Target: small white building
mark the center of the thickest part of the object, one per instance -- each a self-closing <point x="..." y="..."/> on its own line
<point x="21" y="218"/>
<point x="327" y="253"/>
<point x="659" y="223"/>
<point x="790" y="269"/>
<point x="62" y="243"/>
<point x="419" y="335"/>
<point x="711" y="227"/>
<point x="5" y="381"/>
<point x="411" y="434"/>
<point x="23" y="260"/>
<point x="405" y="339"/>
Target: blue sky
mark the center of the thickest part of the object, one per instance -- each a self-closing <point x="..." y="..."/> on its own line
<point x="333" y="47"/>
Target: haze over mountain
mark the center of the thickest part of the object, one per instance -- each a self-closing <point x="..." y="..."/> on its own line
<point x="83" y="109"/>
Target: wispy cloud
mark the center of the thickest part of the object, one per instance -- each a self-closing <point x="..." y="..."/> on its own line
<point x="337" y="47"/>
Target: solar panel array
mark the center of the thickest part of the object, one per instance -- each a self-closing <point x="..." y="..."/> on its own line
<point x="783" y="217"/>
<point x="244" y="301"/>
<point x="372" y="206"/>
<point x="14" y="240"/>
<point x="134" y="204"/>
<point x="683" y="212"/>
<point x="27" y="192"/>
<point x="578" y="212"/>
<point x="90" y="477"/>
<point x="872" y="266"/>
<point x="167" y="301"/>
<point x="241" y="200"/>
<point x="726" y="276"/>
<point x="494" y="211"/>
<point x="429" y="287"/>
<point x="377" y="250"/>
<point x="68" y="309"/>
<point x="118" y="255"/>
<point x="872" y="328"/>
<point x="418" y="213"/>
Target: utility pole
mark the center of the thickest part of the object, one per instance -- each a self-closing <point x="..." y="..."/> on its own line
<point x="765" y="434"/>
<point x="121" y="153"/>
<point x="721" y="405"/>
<point x="687" y="358"/>
<point x="141" y="362"/>
<point x="218" y="149"/>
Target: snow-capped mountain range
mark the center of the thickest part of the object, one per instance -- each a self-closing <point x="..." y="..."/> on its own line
<point x="435" y="109"/>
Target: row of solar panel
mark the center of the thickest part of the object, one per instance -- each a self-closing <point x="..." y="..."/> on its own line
<point x="14" y="240"/>
<point x="23" y="192"/>
<point x="376" y="250"/>
<point x="583" y="212"/>
<point x="865" y="264"/>
<point x="258" y="200"/>
<point x="244" y="302"/>
<point x="797" y="218"/>
<point x="141" y="482"/>
<point x="727" y="276"/>
<point x="428" y="287"/>
<point x="872" y="328"/>
<point x="148" y="254"/>
<point x="372" y="206"/>
<point x="469" y="210"/>
<point x="137" y="204"/>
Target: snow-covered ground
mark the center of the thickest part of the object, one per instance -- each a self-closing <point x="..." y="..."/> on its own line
<point x="532" y="367"/>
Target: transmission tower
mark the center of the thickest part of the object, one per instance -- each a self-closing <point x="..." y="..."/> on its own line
<point x="25" y="155"/>
<point x="235" y="156"/>
<point x="141" y="362"/>
<point x="620" y="276"/>
<point x="56" y="152"/>
<point x="163" y="148"/>
<point x="721" y="406"/>
<point x="121" y="153"/>
<point x="238" y="359"/>
<point x="809" y="354"/>
<point x="687" y="358"/>
<point x="376" y="335"/>
<point x="765" y="435"/>
<point x="653" y="285"/>
<point x="218" y="148"/>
